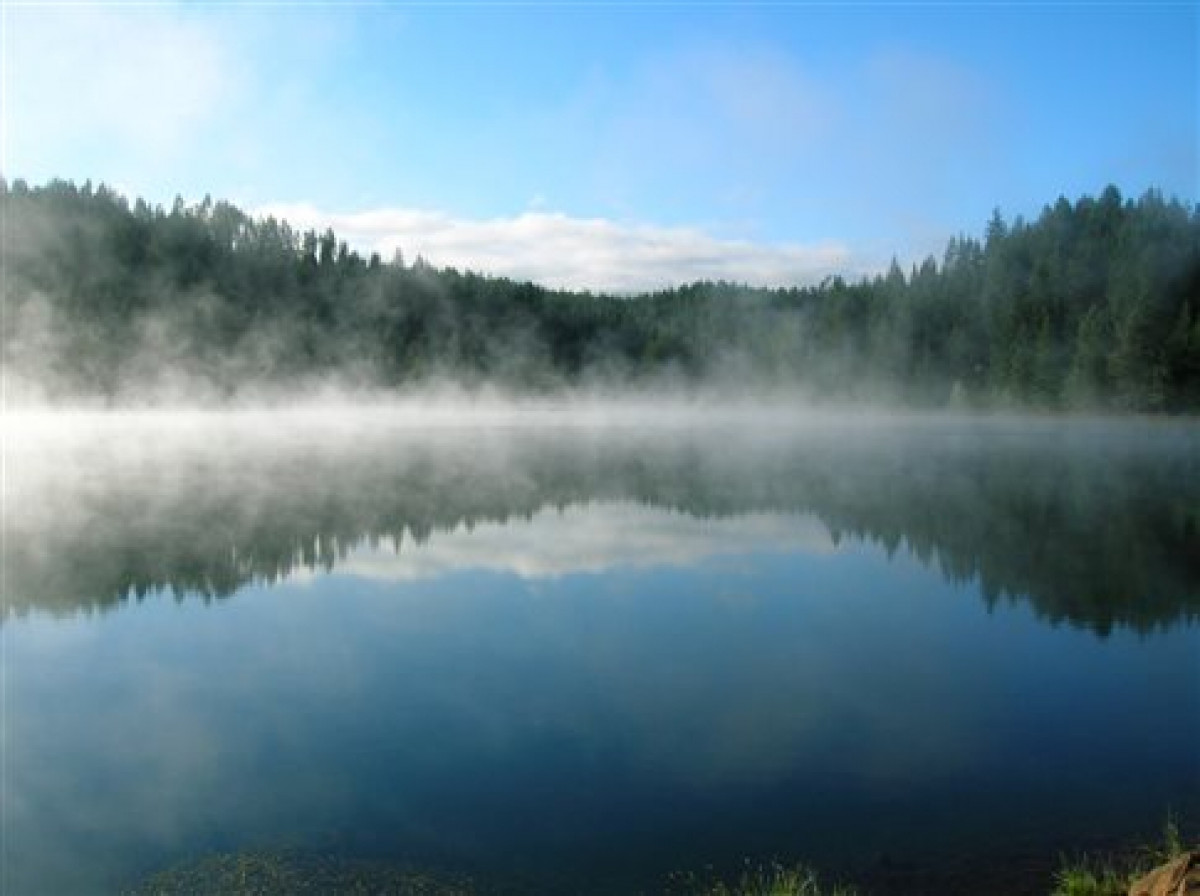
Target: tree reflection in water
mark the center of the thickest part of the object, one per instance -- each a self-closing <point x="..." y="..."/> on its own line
<point x="1094" y="523"/>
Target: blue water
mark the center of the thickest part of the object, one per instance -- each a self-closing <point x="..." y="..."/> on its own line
<point x="588" y="694"/>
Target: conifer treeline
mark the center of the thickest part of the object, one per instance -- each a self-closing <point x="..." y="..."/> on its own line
<point x="1094" y="305"/>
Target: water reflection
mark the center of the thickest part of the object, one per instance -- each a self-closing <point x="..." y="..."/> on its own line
<point x="595" y="728"/>
<point x="593" y="538"/>
<point x="589" y="655"/>
<point x="1095" y="524"/>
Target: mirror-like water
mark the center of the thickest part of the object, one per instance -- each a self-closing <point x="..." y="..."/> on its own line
<point x="583" y="654"/>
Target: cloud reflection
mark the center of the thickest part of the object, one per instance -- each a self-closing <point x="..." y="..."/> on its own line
<point x="595" y="538"/>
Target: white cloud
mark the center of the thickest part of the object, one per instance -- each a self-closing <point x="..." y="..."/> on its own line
<point x="167" y="98"/>
<point x="100" y="82"/>
<point x="574" y="253"/>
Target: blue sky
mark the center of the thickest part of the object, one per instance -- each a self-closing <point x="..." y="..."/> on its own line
<point x="613" y="145"/>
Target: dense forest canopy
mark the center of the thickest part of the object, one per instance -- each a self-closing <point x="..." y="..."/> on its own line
<point x="1095" y="305"/>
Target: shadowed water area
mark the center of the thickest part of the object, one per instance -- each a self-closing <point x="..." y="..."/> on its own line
<point x="577" y="653"/>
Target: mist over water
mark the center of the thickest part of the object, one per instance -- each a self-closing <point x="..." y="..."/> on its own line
<point x="1035" y="508"/>
<point x="661" y="634"/>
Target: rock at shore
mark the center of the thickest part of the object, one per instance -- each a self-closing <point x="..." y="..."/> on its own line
<point x="1178" y="877"/>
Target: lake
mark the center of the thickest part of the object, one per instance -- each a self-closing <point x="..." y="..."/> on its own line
<point x="582" y="651"/>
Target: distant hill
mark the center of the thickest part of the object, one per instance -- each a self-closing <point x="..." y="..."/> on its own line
<point x="1095" y="305"/>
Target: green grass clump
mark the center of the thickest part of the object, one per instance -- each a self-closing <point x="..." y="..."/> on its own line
<point x="1085" y="877"/>
<point x="1089" y="876"/>
<point x="1173" y="846"/>
<point x="774" y="879"/>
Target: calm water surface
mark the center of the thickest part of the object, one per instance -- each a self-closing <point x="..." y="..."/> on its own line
<point x="584" y="654"/>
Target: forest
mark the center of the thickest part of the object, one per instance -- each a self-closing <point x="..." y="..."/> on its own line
<point x="1093" y="306"/>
